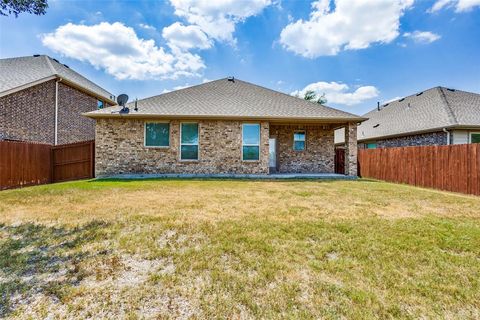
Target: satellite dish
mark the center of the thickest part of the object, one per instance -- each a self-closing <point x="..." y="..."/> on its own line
<point x="122" y="100"/>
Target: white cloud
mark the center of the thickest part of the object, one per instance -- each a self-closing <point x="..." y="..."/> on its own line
<point x="147" y="27"/>
<point x="339" y="92"/>
<point x="422" y="36"/>
<point x="460" y="5"/>
<point x="217" y="18"/>
<point x="349" y="25"/>
<point x="186" y="37"/>
<point x="117" y="49"/>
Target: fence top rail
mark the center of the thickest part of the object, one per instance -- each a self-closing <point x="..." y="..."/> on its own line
<point x="74" y="144"/>
<point x="450" y="146"/>
<point x="25" y="142"/>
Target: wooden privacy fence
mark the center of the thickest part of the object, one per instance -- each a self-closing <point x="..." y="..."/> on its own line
<point x="26" y="163"/>
<point x="452" y="168"/>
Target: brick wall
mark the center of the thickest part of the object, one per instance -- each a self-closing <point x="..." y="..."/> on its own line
<point x="72" y="126"/>
<point x="425" y="139"/>
<point x="120" y="149"/>
<point x="319" y="153"/>
<point x="29" y="114"/>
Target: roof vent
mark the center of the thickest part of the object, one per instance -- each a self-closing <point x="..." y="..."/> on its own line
<point x="66" y="66"/>
<point x="419" y="94"/>
<point x="401" y="100"/>
<point x="376" y="126"/>
<point x="450" y="89"/>
<point x="36" y="55"/>
<point x="232" y="79"/>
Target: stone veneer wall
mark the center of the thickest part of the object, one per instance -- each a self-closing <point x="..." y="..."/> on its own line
<point x="120" y="149"/>
<point x="319" y="153"/>
<point x="425" y="139"/>
<point x="351" y="149"/>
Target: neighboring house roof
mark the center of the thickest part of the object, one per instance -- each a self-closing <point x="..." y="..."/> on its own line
<point x="22" y="72"/>
<point x="427" y="111"/>
<point x="228" y="100"/>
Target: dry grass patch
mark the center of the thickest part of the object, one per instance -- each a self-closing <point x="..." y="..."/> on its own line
<point x="238" y="249"/>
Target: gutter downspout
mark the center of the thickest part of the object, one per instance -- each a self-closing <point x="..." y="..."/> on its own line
<point x="448" y="135"/>
<point x="56" y="111"/>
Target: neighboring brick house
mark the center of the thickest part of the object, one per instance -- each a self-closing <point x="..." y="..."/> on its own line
<point x="225" y="126"/>
<point x="43" y="100"/>
<point x="437" y="116"/>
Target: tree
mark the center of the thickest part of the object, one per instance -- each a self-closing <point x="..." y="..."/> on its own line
<point x="322" y="99"/>
<point x="8" y="7"/>
<point x="310" y="95"/>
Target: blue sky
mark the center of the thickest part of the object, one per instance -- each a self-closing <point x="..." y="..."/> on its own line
<point x="357" y="53"/>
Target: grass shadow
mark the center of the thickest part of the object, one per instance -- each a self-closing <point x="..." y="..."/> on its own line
<point x="40" y="259"/>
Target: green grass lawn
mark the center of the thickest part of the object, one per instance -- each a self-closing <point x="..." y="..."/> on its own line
<point x="238" y="249"/>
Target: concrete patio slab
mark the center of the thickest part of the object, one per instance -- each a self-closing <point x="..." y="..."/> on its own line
<point x="283" y="176"/>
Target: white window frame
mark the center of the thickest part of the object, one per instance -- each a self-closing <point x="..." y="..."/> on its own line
<point x="304" y="140"/>
<point x="145" y="135"/>
<point x="189" y="144"/>
<point x="252" y="145"/>
<point x="470" y="135"/>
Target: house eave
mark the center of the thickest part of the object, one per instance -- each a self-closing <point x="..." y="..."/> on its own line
<point x="410" y="133"/>
<point x="117" y="115"/>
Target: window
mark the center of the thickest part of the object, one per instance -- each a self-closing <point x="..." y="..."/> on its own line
<point x="100" y="104"/>
<point x="371" y="145"/>
<point x="475" y="137"/>
<point x="189" y="141"/>
<point x="157" y="134"/>
<point x="299" y="140"/>
<point x="251" y="141"/>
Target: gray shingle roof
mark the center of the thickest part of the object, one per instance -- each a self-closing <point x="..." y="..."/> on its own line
<point x="226" y="99"/>
<point x="430" y="110"/>
<point x="22" y="71"/>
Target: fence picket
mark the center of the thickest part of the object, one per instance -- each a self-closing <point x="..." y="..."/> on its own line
<point x="452" y="168"/>
<point x="27" y="163"/>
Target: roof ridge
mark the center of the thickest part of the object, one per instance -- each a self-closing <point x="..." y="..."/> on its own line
<point x="448" y="109"/>
<point x="398" y="100"/>
<point x="49" y="63"/>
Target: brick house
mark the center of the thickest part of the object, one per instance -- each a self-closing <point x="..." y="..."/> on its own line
<point x="437" y="116"/>
<point x="225" y="126"/>
<point x="43" y="100"/>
